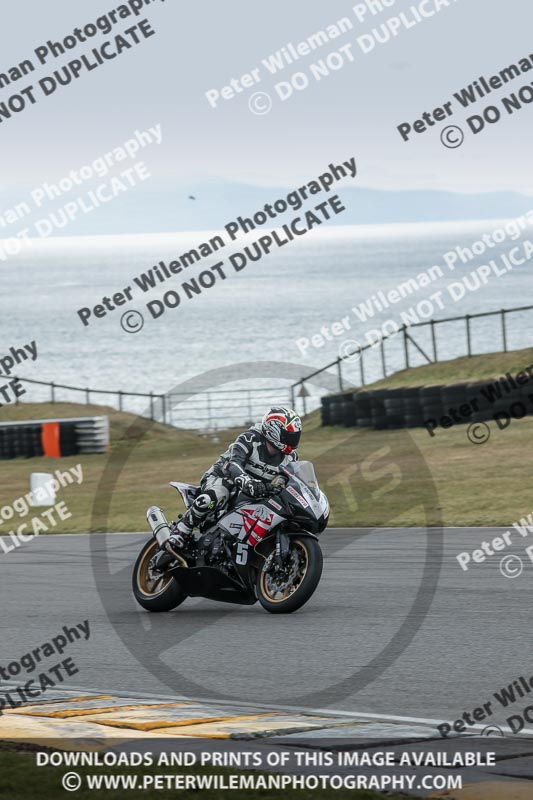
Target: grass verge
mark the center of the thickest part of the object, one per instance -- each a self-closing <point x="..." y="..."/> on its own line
<point x="470" y="485"/>
<point x="468" y="368"/>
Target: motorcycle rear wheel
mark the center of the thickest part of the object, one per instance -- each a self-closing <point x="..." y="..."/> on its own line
<point x="154" y="593"/>
<point x="279" y="596"/>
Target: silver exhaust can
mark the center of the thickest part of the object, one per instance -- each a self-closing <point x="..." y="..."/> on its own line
<point x="158" y="523"/>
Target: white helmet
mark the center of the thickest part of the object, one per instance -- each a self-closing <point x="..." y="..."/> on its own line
<point x="282" y="427"/>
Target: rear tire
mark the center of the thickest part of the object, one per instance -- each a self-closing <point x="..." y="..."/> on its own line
<point x="162" y="594"/>
<point x="310" y="566"/>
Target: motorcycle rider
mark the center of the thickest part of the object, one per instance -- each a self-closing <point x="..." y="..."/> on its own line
<point x="254" y="458"/>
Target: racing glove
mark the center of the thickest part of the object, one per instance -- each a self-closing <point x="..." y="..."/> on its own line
<point x="251" y="487"/>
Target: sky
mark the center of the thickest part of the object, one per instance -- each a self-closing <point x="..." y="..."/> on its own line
<point x="200" y="47"/>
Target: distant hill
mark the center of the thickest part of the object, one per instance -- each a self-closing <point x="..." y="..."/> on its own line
<point x="210" y="205"/>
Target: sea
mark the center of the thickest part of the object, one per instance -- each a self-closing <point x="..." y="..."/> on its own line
<point x="297" y="307"/>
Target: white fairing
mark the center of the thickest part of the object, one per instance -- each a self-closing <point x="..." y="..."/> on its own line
<point x="324" y="504"/>
<point x="239" y="522"/>
<point x="187" y="490"/>
<point x="308" y="487"/>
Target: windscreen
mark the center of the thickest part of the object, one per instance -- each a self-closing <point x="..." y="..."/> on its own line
<point x="305" y="471"/>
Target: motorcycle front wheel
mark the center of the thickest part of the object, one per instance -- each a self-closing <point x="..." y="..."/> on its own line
<point x="289" y="589"/>
<point x="155" y="591"/>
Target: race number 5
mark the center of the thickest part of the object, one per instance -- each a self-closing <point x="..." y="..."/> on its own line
<point x="242" y="553"/>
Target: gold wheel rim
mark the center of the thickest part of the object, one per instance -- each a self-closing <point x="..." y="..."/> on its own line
<point x="152" y="586"/>
<point x="290" y="590"/>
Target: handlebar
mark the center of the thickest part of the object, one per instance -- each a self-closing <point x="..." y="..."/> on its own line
<point x="274" y="487"/>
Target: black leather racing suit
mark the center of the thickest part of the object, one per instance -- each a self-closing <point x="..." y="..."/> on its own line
<point x="248" y="455"/>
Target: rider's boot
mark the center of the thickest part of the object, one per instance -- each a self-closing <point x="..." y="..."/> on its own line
<point x="182" y="531"/>
<point x="180" y="537"/>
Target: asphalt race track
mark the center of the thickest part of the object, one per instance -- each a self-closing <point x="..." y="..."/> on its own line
<point x="393" y="629"/>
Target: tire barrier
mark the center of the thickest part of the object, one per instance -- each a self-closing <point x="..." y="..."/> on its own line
<point x="56" y="438"/>
<point x="416" y="406"/>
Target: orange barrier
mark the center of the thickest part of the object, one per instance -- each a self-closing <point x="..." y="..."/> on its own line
<point x="50" y="439"/>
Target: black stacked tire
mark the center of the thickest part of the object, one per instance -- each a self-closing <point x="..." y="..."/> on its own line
<point x="412" y="407"/>
<point x="394" y="408"/>
<point x="454" y="398"/>
<point x="18" y="442"/>
<point x="29" y="450"/>
<point x="363" y="408"/>
<point x="524" y="394"/>
<point x="477" y="396"/>
<point x="335" y="409"/>
<point x="37" y="441"/>
<point x="8" y="448"/>
<point x="349" y="411"/>
<point x="509" y="399"/>
<point x="431" y="405"/>
<point x="379" y="413"/>
<point x="67" y="439"/>
<point x="325" y="415"/>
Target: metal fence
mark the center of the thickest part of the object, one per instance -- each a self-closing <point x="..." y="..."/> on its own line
<point x="400" y="350"/>
<point x="205" y="411"/>
<point x="225" y="408"/>
<point x="156" y="405"/>
<point x="436" y="340"/>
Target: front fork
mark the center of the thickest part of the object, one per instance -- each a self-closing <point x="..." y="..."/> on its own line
<point x="279" y="555"/>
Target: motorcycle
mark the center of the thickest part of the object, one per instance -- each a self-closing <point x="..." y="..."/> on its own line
<point x="264" y="549"/>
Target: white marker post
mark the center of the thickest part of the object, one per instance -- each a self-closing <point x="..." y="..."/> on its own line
<point x="42" y="490"/>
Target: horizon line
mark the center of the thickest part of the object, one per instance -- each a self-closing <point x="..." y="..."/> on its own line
<point x="331" y="231"/>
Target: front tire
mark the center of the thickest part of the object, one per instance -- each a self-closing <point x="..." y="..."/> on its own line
<point x="155" y="592"/>
<point x="283" y="596"/>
